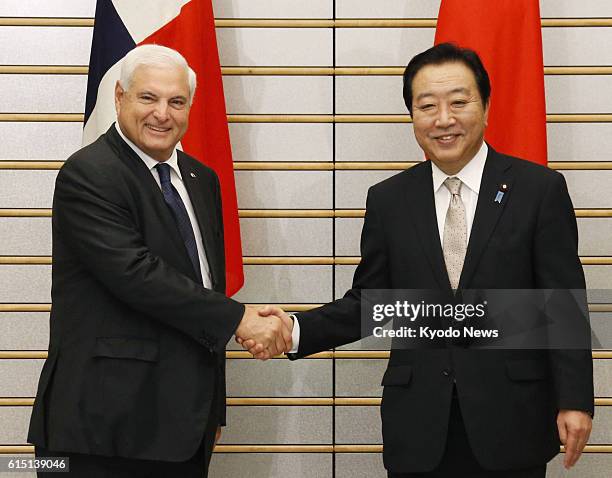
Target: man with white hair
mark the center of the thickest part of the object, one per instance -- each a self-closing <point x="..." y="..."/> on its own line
<point x="134" y="383"/>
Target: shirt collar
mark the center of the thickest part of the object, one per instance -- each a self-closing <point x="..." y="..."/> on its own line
<point x="470" y="175"/>
<point x="148" y="160"/>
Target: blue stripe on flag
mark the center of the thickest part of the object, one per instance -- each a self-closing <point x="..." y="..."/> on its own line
<point x="111" y="42"/>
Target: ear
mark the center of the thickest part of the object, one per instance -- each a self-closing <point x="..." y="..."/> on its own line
<point x="486" y="113"/>
<point x="119" y="92"/>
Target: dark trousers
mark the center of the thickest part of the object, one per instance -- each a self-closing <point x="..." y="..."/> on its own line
<point x="459" y="461"/>
<point x="95" y="466"/>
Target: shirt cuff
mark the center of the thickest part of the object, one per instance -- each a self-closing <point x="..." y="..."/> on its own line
<point x="295" y="335"/>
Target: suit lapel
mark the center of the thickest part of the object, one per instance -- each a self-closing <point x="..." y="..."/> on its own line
<point x="420" y="200"/>
<point x="145" y="178"/>
<point x="488" y="211"/>
<point x="204" y="206"/>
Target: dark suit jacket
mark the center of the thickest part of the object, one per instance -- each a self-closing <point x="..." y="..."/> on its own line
<point x="137" y="346"/>
<point x="509" y="399"/>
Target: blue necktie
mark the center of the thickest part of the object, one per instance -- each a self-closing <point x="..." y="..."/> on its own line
<point x="176" y="205"/>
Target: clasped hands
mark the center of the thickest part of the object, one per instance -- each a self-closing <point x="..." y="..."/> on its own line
<point x="265" y="332"/>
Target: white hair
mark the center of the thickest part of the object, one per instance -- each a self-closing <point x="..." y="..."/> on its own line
<point x="156" y="56"/>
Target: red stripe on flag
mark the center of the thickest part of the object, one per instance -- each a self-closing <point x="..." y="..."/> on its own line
<point x="192" y="34"/>
<point x="507" y="36"/>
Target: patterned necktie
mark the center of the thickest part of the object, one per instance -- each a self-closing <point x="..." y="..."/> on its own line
<point x="454" y="244"/>
<point x="176" y="205"/>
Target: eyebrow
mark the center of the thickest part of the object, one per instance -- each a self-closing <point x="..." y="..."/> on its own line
<point x="454" y="90"/>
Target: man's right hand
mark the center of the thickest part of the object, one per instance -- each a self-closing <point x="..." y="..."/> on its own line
<point x="267" y="334"/>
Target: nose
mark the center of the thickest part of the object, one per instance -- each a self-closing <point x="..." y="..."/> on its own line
<point x="445" y="118"/>
<point x="161" y="110"/>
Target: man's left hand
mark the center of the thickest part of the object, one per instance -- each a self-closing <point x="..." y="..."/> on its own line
<point x="217" y="435"/>
<point x="574" y="430"/>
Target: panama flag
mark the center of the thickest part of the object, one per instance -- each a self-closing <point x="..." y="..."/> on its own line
<point x="188" y="27"/>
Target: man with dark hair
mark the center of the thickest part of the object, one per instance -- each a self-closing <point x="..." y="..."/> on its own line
<point x="469" y="218"/>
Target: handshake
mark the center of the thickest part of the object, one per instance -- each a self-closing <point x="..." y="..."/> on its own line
<point x="265" y="332"/>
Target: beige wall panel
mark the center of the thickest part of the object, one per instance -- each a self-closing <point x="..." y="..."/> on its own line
<point x="360" y="465"/>
<point x="284" y="236"/>
<point x="25" y="236"/>
<point x="25" y="283"/>
<point x="278" y="94"/>
<point x="576" y="46"/>
<point x="601" y="329"/>
<point x="594" y="236"/>
<point x="383" y="94"/>
<point x="281" y="141"/>
<point x="285" y="284"/>
<point x="578" y="94"/>
<point x="273" y="9"/>
<point x="589" y="189"/>
<point x="369" y="95"/>
<point x="572" y="8"/>
<point x="344" y="279"/>
<point x="26" y="188"/>
<point x="283" y="189"/>
<point x="39" y="141"/>
<point x="352" y="186"/>
<point x="598" y="277"/>
<point x="348" y="235"/>
<point x="24" y="330"/>
<point x="36" y="8"/>
<point x="15" y="422"/>
<point x="279" y="378"/>
<point x="19" y="378"/>
<point x="602" y="426"/>
<point x="591" y="465"/>
<point x="579" y="141"/>
<point x="356" y="425"/>
<point x="285" y="425"/>
<point x="270" y="465"/>
<point x="42" y="93"/>
<point x="274" y="46"/>
<point x="369" y="371"/>
<point x="376" y="142"/>
<point x="45" y="45"/>
<point x="387" y="9"/>
<point x="380" y="46"/>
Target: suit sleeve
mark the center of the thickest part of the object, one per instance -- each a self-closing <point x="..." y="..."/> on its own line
<point x="91" y="214"/>
<point x="339" y="322"/>
<point x="557" y="266"/>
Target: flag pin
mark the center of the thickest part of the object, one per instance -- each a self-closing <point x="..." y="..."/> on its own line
<point x="192" y="175"/>
<point x="500" y="194"/>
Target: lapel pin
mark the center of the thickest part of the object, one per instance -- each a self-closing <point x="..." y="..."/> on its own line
<point x="192" y="175"/>
<point x="500" y="194"/>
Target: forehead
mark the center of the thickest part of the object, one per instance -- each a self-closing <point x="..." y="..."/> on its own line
<point x="160" y="78"/>
<point x="442" y="78"/>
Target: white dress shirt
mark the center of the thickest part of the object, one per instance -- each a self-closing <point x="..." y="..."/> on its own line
<point x="470" y="176"/>
<point x="177" y="181"/>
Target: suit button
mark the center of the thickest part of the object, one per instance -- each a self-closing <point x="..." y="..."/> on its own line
<point x="446" y="372"/>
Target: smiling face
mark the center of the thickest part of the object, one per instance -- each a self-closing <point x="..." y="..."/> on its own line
<point x="154" y="112"/>
<point x="449" y="118"/>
